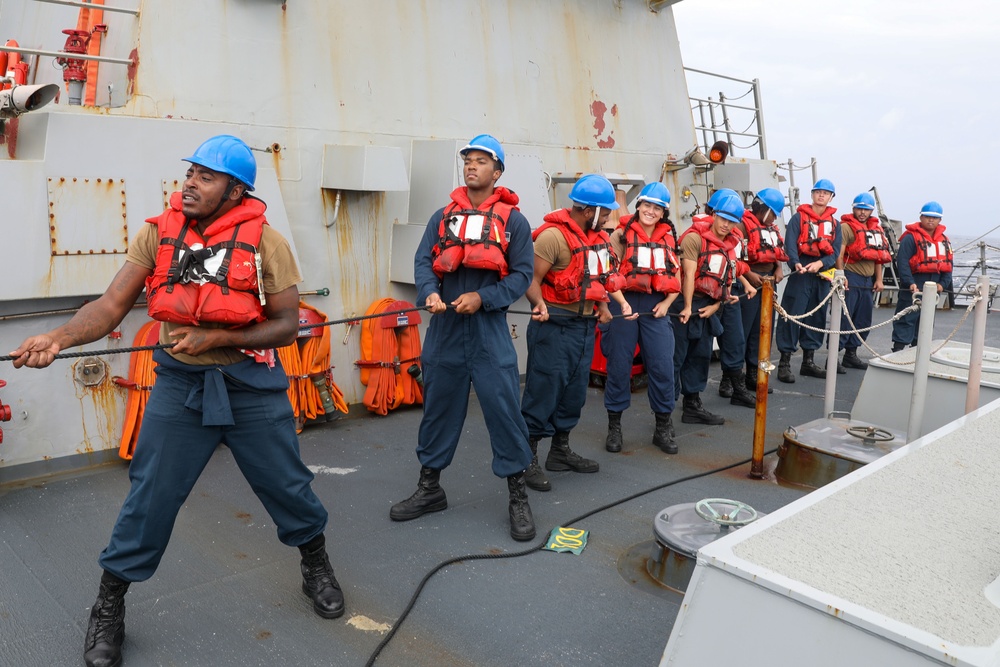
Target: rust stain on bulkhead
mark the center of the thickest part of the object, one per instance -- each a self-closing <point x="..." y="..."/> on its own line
<point x="107" y="402"/>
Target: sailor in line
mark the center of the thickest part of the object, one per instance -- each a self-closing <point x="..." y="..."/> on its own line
<point x="924" y="254"/>
<point x="812" y="243"/>
<point x="864" y="250"/>
<point x="574" y="274"/>
<point x="476" y="257"/>
<point x="645" y="244"/>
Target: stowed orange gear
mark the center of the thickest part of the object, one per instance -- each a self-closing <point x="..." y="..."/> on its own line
<point x="141" y="378"/>
<point x="389" y="346"/>
<point x="311" y="389"/>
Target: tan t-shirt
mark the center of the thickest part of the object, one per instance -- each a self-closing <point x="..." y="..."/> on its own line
<point x="277" y="265"/>
<point x="864" y="267"/>
<point x="552" y="246"/>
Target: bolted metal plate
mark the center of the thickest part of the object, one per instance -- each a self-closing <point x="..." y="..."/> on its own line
<point x="170" y="186"/>
<point x="87" y="216"/>
<point x="90" y="371"/>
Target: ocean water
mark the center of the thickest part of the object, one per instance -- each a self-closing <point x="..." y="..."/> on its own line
<point x="966" y="270"/>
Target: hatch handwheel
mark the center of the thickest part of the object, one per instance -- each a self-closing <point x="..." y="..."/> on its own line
<point x="870" y="435"/>
<point x="729" y="516"/>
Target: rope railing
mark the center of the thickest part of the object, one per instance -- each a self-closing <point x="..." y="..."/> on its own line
<point x="840" y="286"/>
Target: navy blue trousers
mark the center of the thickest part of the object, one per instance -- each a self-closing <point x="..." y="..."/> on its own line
<point x="471" y="350"/>
<point x="560" y="352"/>
<point x="803" y="292"/>
<point x="733" y="341"/>
<point x="693" y="348"/>
<point x="860" y="301"/>
<point x="173" y="450"/>
<point x="655" y="337"/>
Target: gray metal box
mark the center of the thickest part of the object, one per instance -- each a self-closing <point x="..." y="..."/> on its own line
<point x="745" y="175"/>
<point x="363" y="168"/>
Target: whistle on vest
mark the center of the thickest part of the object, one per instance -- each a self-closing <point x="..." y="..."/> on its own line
<point x="260" y="278"/>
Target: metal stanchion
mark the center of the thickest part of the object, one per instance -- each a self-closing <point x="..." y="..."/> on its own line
<point x="836" y="309"/>
<point x="922" y="363"/>
<point x="978" y="344"/>
<point x="764" y="369"/>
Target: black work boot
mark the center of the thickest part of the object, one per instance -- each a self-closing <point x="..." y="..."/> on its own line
<point x="534" y="477"/>
<point x="522" y="524"/>
<point x="852" y="360"/>
<point x="429" y="497"/>
<point x="785" y="368"/>
<point x="695" y="413"/>
<point x="561" y="457"/>
<point x="318" y="582"/>
<point x="750" y="381"/>
<point x="726" y="385"/>
<point x="613" y="443"/>
<point x="741" y="395"/>
<point x="898" y="347"/>
<point x="106" y="629"/>
<point x="809" y="366"/>
<point x="663" y="436"/>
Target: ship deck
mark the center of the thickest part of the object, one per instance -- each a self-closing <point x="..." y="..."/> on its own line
<point x="228" y="593"/>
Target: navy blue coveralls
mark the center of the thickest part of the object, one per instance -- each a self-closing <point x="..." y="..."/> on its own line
<point x="655" y="337"/>
<point x="463" y="350"/>
<point x="803" y="292"/>
<point x="191" y="410"/>
<point x="905" y="329"/>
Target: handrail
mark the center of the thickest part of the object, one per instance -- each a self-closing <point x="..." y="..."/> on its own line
<point x="89" y="5"/>
<point x="711" y="129"/>
<point x="67" y="55"/>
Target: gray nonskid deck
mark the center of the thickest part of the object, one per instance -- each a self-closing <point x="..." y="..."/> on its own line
<point x="227" y="592"/>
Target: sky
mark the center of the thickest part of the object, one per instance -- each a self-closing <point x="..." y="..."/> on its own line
<point x="899" y="94"/>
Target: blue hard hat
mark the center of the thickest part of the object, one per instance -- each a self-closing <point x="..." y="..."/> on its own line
<point x="487" y="144"/>
<point x="655" y="193"/>
<point x="825" y="184"/>
<point x="932" y="209"/>
<point x="717" y="196"/>
<point x="228" y="155"/>
<point x="864" y="201"/>
<point x="594" y="190"/>
<point x="730" y="207"/>
<point x="773" y="199"/>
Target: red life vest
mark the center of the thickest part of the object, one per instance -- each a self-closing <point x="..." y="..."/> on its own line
<point x="717" y="263"/>
<point x="213" y="277"/>
<point x="650" y="264"/>
<point x="933" y="253"/>
<point x="816" y="234"/>
<point x="764" y="243"/>
<point x="735" y="239"/>
<point x="591" y="272"/>
<point x="475" y="238"/>
<point x="870" y="243"/>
